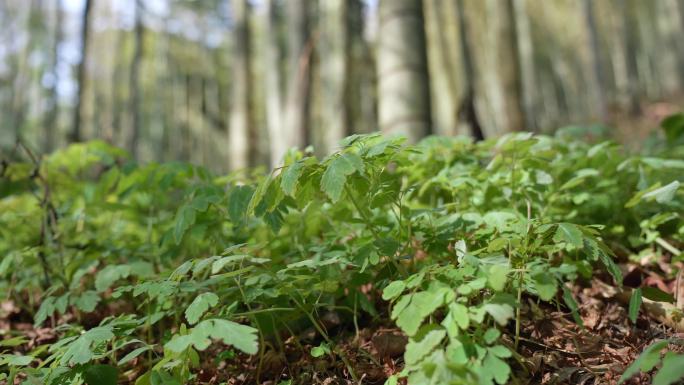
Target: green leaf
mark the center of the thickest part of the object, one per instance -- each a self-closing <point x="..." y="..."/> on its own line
<point x="393" y="290"/>
<point x="423" y="343"/>
<point x="501" y="312"/>
<point x="460" y="314"/>
<point x="663" y="194"/>
<point x="242" y="337"/>
<point x="320" y="350"/>
<point x="80" y="351"/>
<point x="47" y="307"/>
<point x="179" y="343"/>
<point x="634" y="305"/>
<point x="15" y="360"/>
<point x="572" y="305"/>
<point x="87" y="301"/>
<point x="646" y="361"/>
<point x="184" y="219"/>
<point x="290" y="177"/>
<point x="597" y="250"/>
<point x="673" y="126"/>
<point x="238" y="202"/>
<point x="162" y="378"/>
<point x="568" y="233"/>
<point x="133" y="354"/>
<point x="672" y="370"/>
<point x="497" y="276"/>
<point x="655" y="294"/>
<point x="387" y="246"/>
<point x="335" y="175"/>
<point x="545" y="285"/>
<point x="612" y="268"/>
<point x="110" y="274"/>
<point x="199" y="306"/>
<point x="500" y="351"/>
<point x="420" y="305"/>
<point x="496" y="368"/>
<point x="101" y="375"/>
<point x="491" y="335"/>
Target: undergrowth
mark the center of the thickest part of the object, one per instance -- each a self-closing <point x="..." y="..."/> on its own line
<point x="144" y="271"/>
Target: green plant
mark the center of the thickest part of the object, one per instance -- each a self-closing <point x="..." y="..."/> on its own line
<point x="175" y="264"/>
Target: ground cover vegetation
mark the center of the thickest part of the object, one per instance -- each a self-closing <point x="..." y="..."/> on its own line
<point x="522" y="259"/>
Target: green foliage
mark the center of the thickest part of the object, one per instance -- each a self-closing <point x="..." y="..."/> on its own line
<point x="671" y="368"/>
<point x="452" y="234"/>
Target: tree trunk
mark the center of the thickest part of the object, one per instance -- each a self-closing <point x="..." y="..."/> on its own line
<point x="298" y="88"/>
<point x="630" y="41"/>
<point x="134" y="81"/>
<point x="444" y="90"/>
<point x="273" y="94"/>
<point x="75" y="135"/>
<point x="242" y="133"/>
<point x="466" y="111"/>
<point x="403" y="83"/>
<point x="333" y="72"/>
<point x="596" y="78"/>
<point x="527" y="64"/>
<point x="50" y="124"/>
<point x="509" y="63"/>
<point x="359" y="86"/>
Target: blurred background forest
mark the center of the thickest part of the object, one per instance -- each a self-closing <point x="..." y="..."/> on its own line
<point x="235" y="83"/>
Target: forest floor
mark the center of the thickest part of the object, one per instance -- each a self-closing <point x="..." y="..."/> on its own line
<point x="553" y="349"/>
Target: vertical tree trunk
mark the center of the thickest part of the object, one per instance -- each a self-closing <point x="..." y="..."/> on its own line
<point x="509" y="63"/>
<point x="597" y="80"/>
<point x="527" y="64"/>
<point x="298" y="88"/>
<point x="333" y="71"/>
<point x="678" y="44"/>
<point x="75" y="134"/>
<point x="466" y="110"/>
<point x="134" y="81"/>
<point x="273" y="93"/>
<point x="444" y="90"/>
<point x="403" y="84"/>
<point x="115" y="134"/>
<point x="186" y="128"/>
<point x="242" y="133"/>
<point x="50" y="124"/>
<point x="358" y="87"/>
<point x="630" y="41"/>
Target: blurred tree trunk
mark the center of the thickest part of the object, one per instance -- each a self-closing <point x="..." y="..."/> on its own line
<point x="242" y="133"/>
<point x="527" y="64"/>
<point x="333" y="71"/>
<point x="359" y="87"/>
<point x="444" y="90"/>
<point x="134" y="81"/>
<point x="115" y="137"/>
<point x="597" y="80"/>
<point x="680" y="46"/>
<point x="75" y="134"/>
<point x="630" y="37"/>
<point x="273" y="93"/>
<point x="296" y="111"/>
<point x="186" y="129"/>
<point x="51" y="122"/>
<point x="403" y="83"/>
<point x="509" y="63"/>
<point x="21" y="74"/>
<point x="466" y="111"/>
